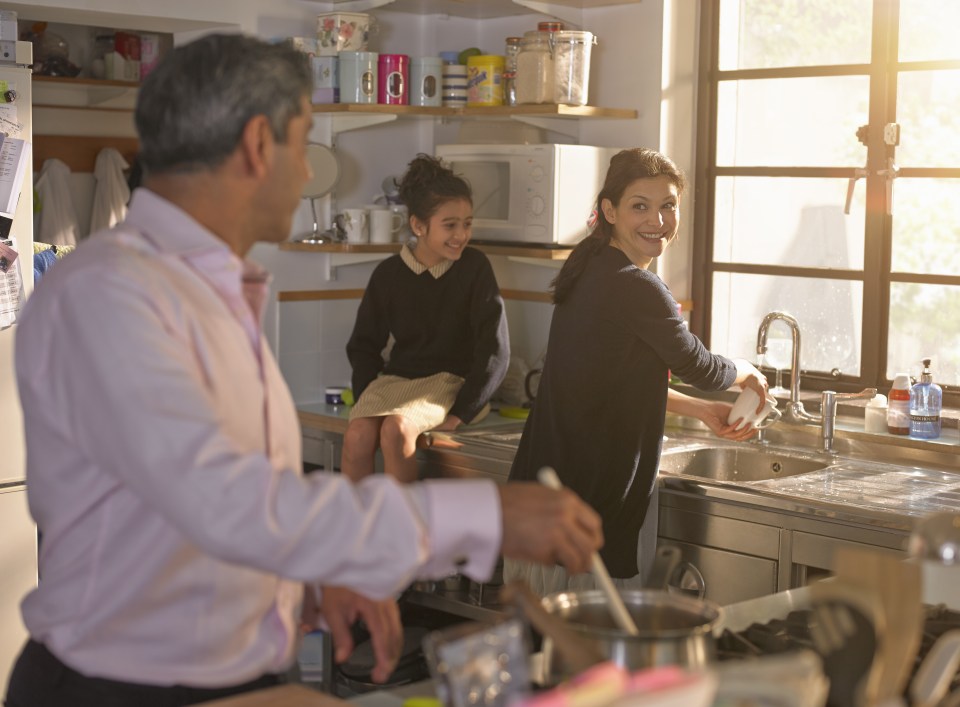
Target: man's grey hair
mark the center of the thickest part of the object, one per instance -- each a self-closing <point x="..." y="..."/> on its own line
<point x="193" y="107"/>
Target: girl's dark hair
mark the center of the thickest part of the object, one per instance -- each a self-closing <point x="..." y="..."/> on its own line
<point x="626" y="167"/>
<point x="427" y="184"/>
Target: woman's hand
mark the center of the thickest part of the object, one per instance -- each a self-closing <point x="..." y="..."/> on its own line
<point x="749" y="377"/>
<point x="714" y="415"/>
<point x="451" y="423"/>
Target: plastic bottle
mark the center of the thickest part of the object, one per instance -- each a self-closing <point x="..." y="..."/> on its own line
<point x="926" y="400"/>
<point x="898" y="407"/>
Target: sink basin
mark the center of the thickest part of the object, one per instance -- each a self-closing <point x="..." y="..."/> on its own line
<point x="735" y="464"/>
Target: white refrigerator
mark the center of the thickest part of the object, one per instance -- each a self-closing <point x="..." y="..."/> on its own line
<point x="18" y="537"/>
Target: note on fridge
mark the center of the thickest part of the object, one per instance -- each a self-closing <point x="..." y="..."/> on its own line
<point x="14" y="157"/>
<point x="11" y="284"/>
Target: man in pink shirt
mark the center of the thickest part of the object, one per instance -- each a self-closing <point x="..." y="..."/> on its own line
<point x="163" y="447"/>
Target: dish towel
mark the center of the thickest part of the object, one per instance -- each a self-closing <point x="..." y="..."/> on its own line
<point x="58" y="224"/>
<point x="112" y="193"/>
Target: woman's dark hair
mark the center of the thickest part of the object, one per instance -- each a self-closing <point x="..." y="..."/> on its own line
<point x="427" y="184"/>
<point x="626" y="167"/>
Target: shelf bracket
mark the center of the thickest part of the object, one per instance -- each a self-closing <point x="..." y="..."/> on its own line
<point x="567" y="14"/>
<point x="345" y="123"/>
<point x="339" y="260"/>
<point x="570" y="128"/>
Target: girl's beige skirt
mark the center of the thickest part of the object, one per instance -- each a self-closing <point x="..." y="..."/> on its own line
<point x="423" y="401"/>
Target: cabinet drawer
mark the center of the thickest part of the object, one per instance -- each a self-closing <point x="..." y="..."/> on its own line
<point x="718" y="532"/>
<point x="730" y="577"/>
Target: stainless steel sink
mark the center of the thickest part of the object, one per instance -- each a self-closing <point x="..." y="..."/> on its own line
<point x="735" y="464"/>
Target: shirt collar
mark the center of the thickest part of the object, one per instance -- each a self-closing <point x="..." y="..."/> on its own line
<point x="437" y="271"/>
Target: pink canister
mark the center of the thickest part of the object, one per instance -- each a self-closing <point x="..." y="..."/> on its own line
<point x="393" y="79"/>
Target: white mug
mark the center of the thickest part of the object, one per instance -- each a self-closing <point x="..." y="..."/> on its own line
<point x="354" y="223"/>
<point x="384" y="224"/>
<point x="745" y="407"/>
<point x="403" y="232"/>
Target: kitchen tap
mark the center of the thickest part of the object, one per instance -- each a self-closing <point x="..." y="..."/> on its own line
<point x="828" y="412"/>
<point x="794" y="411"/>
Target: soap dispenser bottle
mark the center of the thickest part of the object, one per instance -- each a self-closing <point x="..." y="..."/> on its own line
<point x="926" y="400"/>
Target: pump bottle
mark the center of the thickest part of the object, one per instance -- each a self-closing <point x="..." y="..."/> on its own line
<point x="926" y="400"/>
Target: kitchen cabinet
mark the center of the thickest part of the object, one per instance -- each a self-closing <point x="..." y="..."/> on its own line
<point x="18" y="571"/>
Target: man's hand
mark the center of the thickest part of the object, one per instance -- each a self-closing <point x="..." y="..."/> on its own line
<point x="340" y="608"/>
<point x="549" y="527"/>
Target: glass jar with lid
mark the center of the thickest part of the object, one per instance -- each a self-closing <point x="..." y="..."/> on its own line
<point x="535" y="68"/>
<point x="571" y="52"/>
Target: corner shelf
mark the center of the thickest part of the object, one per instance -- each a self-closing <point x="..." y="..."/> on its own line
<point x="343" y="254"/>
<point x="482" y="9"/>
<point x="352" y="116"/>
<point x="84" y="94"/>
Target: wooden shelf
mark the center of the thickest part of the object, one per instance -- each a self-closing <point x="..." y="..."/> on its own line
<point x="477" y="9"/>
<point x="84" y="94"/>
<point x="518" y="251"/>
<point x="66" y="81"/>
<point x="546" y="111"/>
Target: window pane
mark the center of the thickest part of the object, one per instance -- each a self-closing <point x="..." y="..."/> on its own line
<point x="927" y="110"/>
<point x="924" y="321"/>
<point x="829" y="313"/>
<point x="759" y="34"/>
<point x="926" y="226"/>
<point x="786" y="221"/>
<point x="808" y="122"/>
<point x="928" y="30"/>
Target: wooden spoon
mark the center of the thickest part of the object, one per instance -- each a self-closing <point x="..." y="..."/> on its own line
<point x="548" y="477"/>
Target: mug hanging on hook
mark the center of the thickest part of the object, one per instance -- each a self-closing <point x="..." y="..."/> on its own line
<point x="326" y="174"/>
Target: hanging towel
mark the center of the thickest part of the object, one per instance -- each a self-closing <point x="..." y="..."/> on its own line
<point x="58" y="222"/>
<point x="112" y="193"/>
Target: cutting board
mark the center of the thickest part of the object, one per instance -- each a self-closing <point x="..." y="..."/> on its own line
<point x="283" y="696"/>
<point x="897" y="585"/>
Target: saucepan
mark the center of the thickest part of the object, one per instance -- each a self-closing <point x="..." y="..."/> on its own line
<point x="673" y="630"/>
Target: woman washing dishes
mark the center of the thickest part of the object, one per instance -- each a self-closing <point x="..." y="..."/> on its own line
<point x="439" y="301"/>
<point x="598" y="417"/>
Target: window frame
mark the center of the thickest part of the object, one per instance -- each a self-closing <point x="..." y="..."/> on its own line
<point x="877" y="275"/>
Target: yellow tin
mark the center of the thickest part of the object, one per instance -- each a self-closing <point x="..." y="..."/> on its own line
<point x="485" y="80"/>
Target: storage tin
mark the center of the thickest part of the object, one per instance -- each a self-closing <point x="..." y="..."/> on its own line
<point x="453" y="85"/>
<point x="343" y="31"/>
<point x="485" y="80"/>
<point x="358" y="77"/>
<point x="393" y="78"/>
<point x="425" y="80"/>
<point x="326" y="83"/>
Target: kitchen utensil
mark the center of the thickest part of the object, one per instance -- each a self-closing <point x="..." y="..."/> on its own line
<point x="896" y="584"/>
<point x="672" y="629"/>
<point x="548" y="477"/>
<point x="847" y="633"/>
<point x="354" y="225"/>
<point x="515" y="412"/>
<point x="937" y="671"/>
<point x="578" y="655"/>
<point x="665" y="563"/>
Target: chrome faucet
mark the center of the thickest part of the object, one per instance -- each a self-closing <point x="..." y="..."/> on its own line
<point x="828" y="412"/>
<point x="794" y="411"/>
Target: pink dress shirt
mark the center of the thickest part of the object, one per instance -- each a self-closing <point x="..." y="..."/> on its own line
<point x="163" y="469"/>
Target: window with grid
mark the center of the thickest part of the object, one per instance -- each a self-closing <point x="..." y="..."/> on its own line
<point x="828" y="184"/>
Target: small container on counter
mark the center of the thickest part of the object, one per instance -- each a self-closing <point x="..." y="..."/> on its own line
<point x="485" y="80"/>
<point x="425" y="81"/>
<point x="358" y="77"/>
<point x="393" y="79"/>
<point x="333" y="395"/>
<point x="898" y="407"/>
<point x="453" y="81"/>
<point x="926" y="401"/>
<point x="875" y="415"/>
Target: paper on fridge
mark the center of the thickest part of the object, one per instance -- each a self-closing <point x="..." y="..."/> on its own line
<point x="11" y="283"/>
<point x="14" y="157"/>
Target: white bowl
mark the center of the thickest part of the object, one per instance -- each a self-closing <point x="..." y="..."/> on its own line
<point x="746" y="407"/>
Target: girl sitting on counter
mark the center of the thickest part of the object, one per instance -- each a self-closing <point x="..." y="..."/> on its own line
<point x="438" y="301"/>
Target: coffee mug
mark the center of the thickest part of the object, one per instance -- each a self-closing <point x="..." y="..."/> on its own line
<point x="354" y="225"/>
<point x="403" y="231"/>
<point x="745" y="407"/>
<point x="384" y="224"/>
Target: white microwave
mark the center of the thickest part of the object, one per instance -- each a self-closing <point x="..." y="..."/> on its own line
<point x="530" y="194"/>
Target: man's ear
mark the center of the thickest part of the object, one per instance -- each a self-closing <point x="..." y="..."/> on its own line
<point x="256" y="145"/>
<point x="609" y="212"/>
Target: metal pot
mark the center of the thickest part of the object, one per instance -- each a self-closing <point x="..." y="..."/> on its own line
<point x="674" y="629"/>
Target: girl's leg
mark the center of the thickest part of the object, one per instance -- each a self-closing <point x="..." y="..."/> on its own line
<point x="398" y="440"/>
<point x="360" y="446"/>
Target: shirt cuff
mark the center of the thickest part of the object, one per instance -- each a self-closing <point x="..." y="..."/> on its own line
<point x="464" y="527"/>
